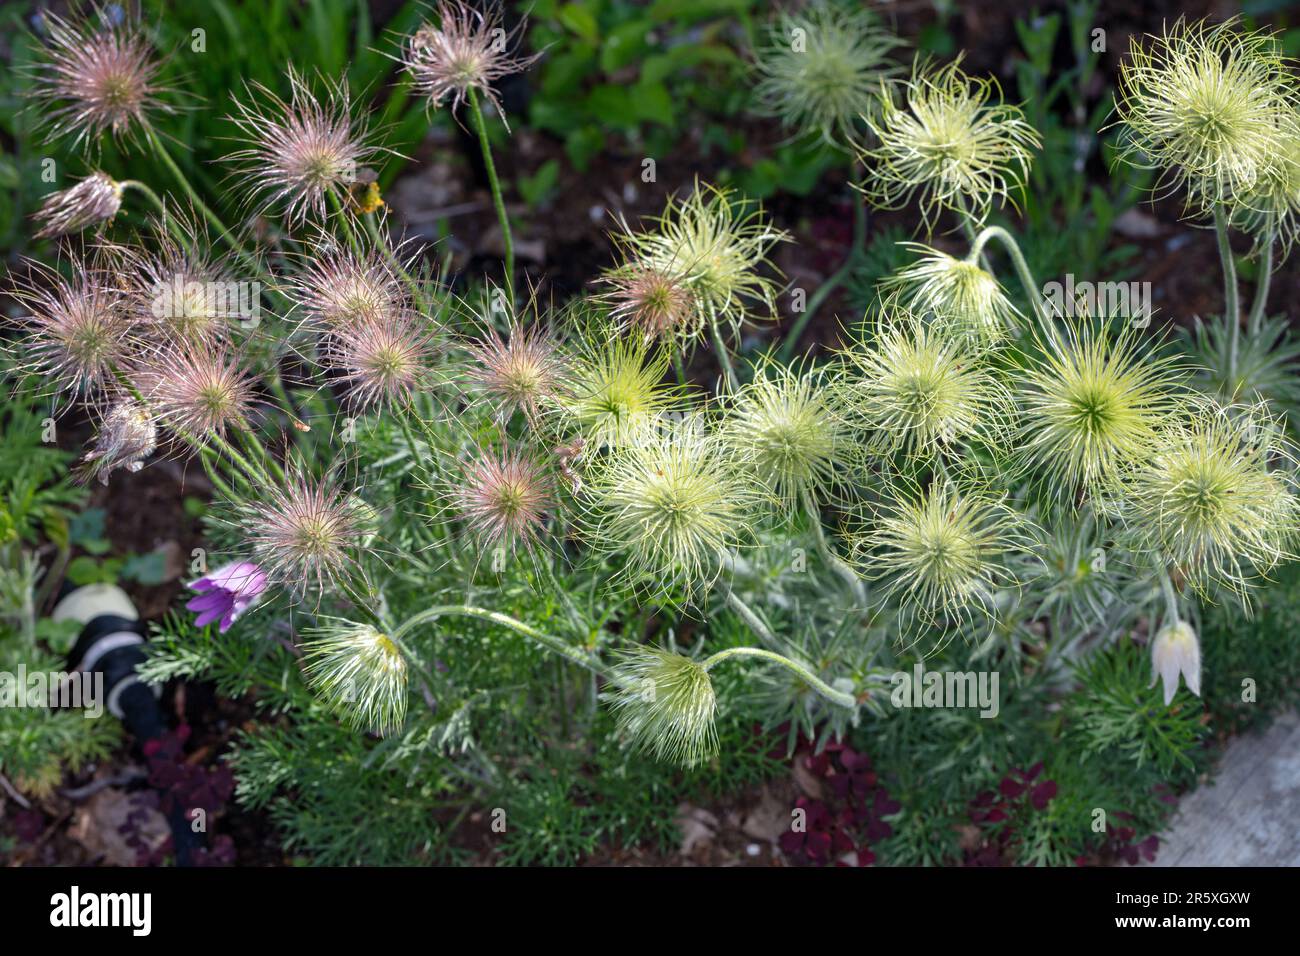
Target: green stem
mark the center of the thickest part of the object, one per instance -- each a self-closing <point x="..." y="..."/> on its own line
<point x="1260" y="304"/>
<point x="1171" y="597"/>
<point x="840" y="697"/>
<point x="724" y="357"/>
<point x="833" y="560"/>
<point x="571" y="609"/>
<point x="1032" y="290"/>
<point x="1231" y="308"/>
<point x="225" y="234"/>
<point x="145" y="191"/>
<point x="477" y="113"/>
<point x="353" y="242"/>
<point x="831" y="284"/>
<point x="574" y="655"/>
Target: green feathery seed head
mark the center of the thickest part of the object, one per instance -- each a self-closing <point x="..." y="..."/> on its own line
<point x="615" y="386"/>
<point x="1271" y="207"/>
<point x="950" y="141"/>
<point x="957" y="293"/>
<point x="922" y="389"/>
<point x="789" y="427"/>
<point x="720" y="244"/>
<point x="359" y="673"/>
<point x="941" y="552"/>
<point x="674" y="503"/>
<point x="1206" y="500"/>
<point x="1208" y="105"/>
<point x="820" y="69"/>
<point x="665" y="706"/>
<point x="1093" y="402"/>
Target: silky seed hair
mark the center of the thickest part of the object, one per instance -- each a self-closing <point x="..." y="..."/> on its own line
<point x="97" y="75"/>
<point x="301" y="150"/>
<point x="949" y="141"/>
<point x="465" y="54"/>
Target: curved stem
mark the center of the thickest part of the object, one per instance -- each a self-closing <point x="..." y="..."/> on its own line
<point x="1231" y="309"/>
<point x="840" y="697"/>
<point x="505" y="620"/>
<point x="1260" y="304"/>
<point x="1031" y="287"/>
<point x="145" y="191"/>
<point x="751" y="619"/>
<point x="477" y="113"/>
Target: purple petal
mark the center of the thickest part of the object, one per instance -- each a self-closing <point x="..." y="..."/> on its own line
<point x="208" y="601"/>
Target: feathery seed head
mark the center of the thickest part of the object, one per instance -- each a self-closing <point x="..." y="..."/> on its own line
<point x="468" y="51"/>
<point x="941" y="551"/>
<point x="77" y="333"/>
<point x="338" y="287"/>
<point x="950" y="142"/>
<point x="522" y="371"/>
<point x="305" y="533"/>
<point x="1094" y="402"/>
<point x="359" y="673"/>
<point x="820" y="69"/>
<point x="300" y="150"/>
<point x="957" y="293"/>
<point x="384" y="359"/>
<point x="1205" y="498"/>
<point x="97" y="77"/>
<point x="674" y="503"/>
<point x="1208" y="105"/>
<point x="615" y="387"/>
<point x="196" y="390"/>
<point x="665" y="705"/>
<point x="923" y="389"/>
<point x="504" y="498"/>
<point x="720" y="245"/>
<point x="93" y="200"/>
<point x="787" y="425"/>
<point x="646" y="299"/>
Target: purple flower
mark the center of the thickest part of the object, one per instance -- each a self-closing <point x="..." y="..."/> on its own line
<point x="226" y="593"/>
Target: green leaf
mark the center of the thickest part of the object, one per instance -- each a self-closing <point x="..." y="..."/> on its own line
<point x="624" y="45"/>
<point x="580" y="20"/>
<point x="148" y="569"/>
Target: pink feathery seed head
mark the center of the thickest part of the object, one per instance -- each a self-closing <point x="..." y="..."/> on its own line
<point x="196" y="389"/>
<point x="337" y="287"/>
<point x="305" y="534"/>
<point x="520" y="371"/>
<point x="648" y="299"/>
<point x="77" y="331"/>
<point x="468" y="50"/>
<point x="384" y="359"/>
<point x="97" y="74"/>
<point x="226" y="593"/>
<point x="505" y="498"/>
<point x="300" y="150"/>
<point x="92" y="201"/>
<point x="127" y="436"/>
<point x="181" y="290"/>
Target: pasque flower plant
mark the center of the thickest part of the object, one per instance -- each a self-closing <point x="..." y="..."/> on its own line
<point x="450" y="506"/>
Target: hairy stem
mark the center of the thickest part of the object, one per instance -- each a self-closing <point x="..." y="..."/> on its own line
<point x="833" y="282"/>
<point x="724" y="357"/>
<point x="1260" y="304"/>
<point x="1231" y="309"/>
<point x="833" y="560"/>
<point x="840" y="697"/>
<point x="572" y="654"/>
<point x="481" y="128"/>
<point x="1032" y="290"/>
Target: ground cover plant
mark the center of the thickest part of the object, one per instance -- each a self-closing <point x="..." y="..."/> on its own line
<point x="505" y="567"/>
